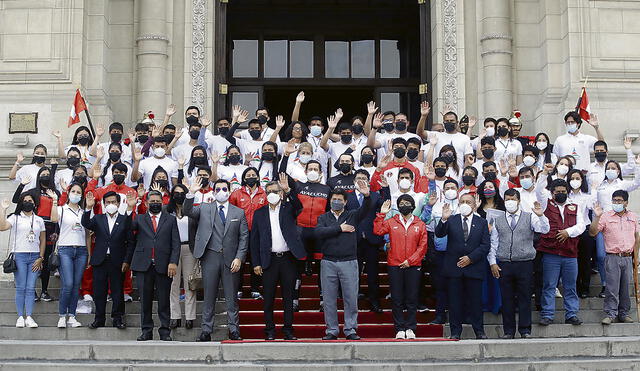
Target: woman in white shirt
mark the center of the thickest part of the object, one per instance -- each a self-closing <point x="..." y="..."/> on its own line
<point x="65" y="176"/>
<point x="82" y="140"/>
<point x="185" y="265"/>
<point x="29" y="171"/>
<point x="546" y="155"/>
<point x="73" y="252"/>
<point x="27" y="243"/>
<point x="368" y="160"/>
<point x="232" y="168"/>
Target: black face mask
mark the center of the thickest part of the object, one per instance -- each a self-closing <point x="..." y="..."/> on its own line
<point x="118" y="179"/>
<point x="169" y="138"/>
<point x="28" y="206"/>
<point x="560" y="197"/>
<point x="45" y="179"/>
<point x="357" y="129"/>
<point x="490" y="176"/>
<point x="405" y="209"/>
<point x="83" y="140"/>
<point x="450" y="127"/>
<point x="179" y="198"/>
<point x="116" y="137"/>
<point x="115" y="156"/>
<point x="204" y="182"/>
<point x="268" y="156"/>
<point x="199" y="161"/>
<point x="468" y="180"/>
<point x="502" y="131"/>
<point x="191" y="120"/>
<point x="38" y="159"/>
<point x="142" y="139"/>
<point x="255" y="134"/>
<point x="163" y="183"/>
<point x="447" y="158"/>
<point x="345" y="168"/>
<point x="155" y="207"/>
<point x="346" y="138"/>
<point x="600" y="156"/>
<point x="234" y="159"/>
<point x="440" y="172"/>
<point x="412" y="153"/>
<point x="488" y="153"/>
<point x="366" y="158"/>
<point x="399" y="152"/>
<point x="251" y="181"/>
<point x="79" y="179"/>
<point x="194" y="134"/>
<point x="223" y="131"/>
<point x="464" y="129"/>
<point x="73" y="162"/>
<point x="388" y="127"/>
<point x="401" y="125"/>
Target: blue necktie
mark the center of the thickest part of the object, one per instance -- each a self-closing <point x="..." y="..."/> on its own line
<point x="360" y="198"/>
<point x="221" y="213"/>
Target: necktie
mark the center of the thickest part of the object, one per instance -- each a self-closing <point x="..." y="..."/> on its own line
<point x="465" y="228"/>
<point x="221" y="213"/>
<point x="360" y="198"/>
<point x="513" y="221"/>
<point x="155" y="229"/>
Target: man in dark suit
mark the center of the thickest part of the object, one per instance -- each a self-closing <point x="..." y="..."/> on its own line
<point x="275" y="248"/>
<point x="465" y="263"/>
<point x="154" y="258"/>
<point x="221" y="244"/>
<point x="113" y="236"/>
<point x="368" y="243"/>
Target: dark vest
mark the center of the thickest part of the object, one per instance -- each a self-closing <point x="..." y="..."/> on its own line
<point x="548" y="243"/>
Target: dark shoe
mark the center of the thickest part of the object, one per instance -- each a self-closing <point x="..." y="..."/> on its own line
<point x="526" y="335"/>
<point x="600" y="295"/>
<point x="145" y="336"/>
<point x="234" y="336"/>
<point x="583" y="295"/>
<point x="507" y="336"/>
<point x="188" y="324"/>
<point x="422" y="308"/>
<point x="289" y="336"/>
<point x="296" y="307"/>
<point x="175" y="323"/>
<point x="375" y="308"/>
<point x="353" y="336"/>
<point x="94" y="325"/>
<point x="545" y="321"/>
<point x="573" y="321"/>
<point x="166" y="338"/>
<point x="308" y="269"/>
<point x="438" y="321"/>
<point x="481" y="336"/>
<point x="329" y="337"/>
<point x="454" y="337"/>
<point x="204" y="336"/>
<point x="269" y="336"/>
<point x="44" y="296"/>
<point x="119" y="324"/>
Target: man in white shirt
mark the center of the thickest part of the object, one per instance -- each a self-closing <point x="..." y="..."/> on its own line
<point x="575" y="143"/>
<point x="218" y="143"/>
<point x="115" y="132"/>
<point x="597" y="169"/>
<point x="451" y="136"/>
<point x="183" y="151"/>
<point x="145" y="168"/>
<point x="346" y="143"/>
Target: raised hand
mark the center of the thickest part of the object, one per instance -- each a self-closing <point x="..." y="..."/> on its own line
<point x="537" y="209"/>
<point x="196" y="185"/>
<point x="289" y="148"/>
<point x="141" y="191"/>
<point x="433" y="139"/>
<point x="504" y="166"/>
<point x="235" y="112"/>
<point x="205" y="121"/>
<point x="383" y="182"/>
<point x="468" y="159"/>
<point x="132" y="136"/>
<point x="363" y="187"/>
<point x="181" y="161"/>
<point x="156" y="187"/>
<point x="137" y="155"/>
<point x="90" y="200"/>
<point x="430" y="172"/>
<point x="179" y="132"/>
<point x="332" y="122"/>
<point x="597" y="210"/>
<point x="472" y="122"/>
<point x="132" y="199"/>
<point x="547" y="169"/>
<point x="52" y="195"/>
<point x="425" y="108"/>
<point x="627" y="142"/>
<point x="279" y="121"/>
<point x="339" y="114"/>
<point x="377" y="120"/>
<point x="300" y="97"/>
<point x="156" y="132"/>
<point x="593" y="121"/>
<point x="446" y="212"/>
<point x="99" y="130"/>
<point x="385" y="160"/>
<point x="26" y="180"/>
<point x="53" y="161"/>
<point x="638" y="160"/>
<point x="96" y="173"/>
<point x="215" y="157"/>
<point x="248" y="157"/>
<point x="57" y="134"/>
<point x="283" y="180"/>
<point x="386" y="207"/>
<point x="171" y="110"/>
<point x="433" y="198"/>
<point x="19" y="157"/>
<point x="244" y="116"/>
<point x="371" y="108"/>
<point x="344" y="227"/>
<point x="5" y="204"/>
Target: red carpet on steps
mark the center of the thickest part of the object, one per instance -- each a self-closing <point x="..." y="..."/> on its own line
<point x="371" y="340"/>
<point x="309" y="321"/>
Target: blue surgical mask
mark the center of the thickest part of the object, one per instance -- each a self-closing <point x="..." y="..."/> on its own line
<point x="315" y="131"/>
<point x="572" y="128"/>
<point x="618" y="208"/>
<point x="526" y="183"/>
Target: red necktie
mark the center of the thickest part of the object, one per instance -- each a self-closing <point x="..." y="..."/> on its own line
<point x="155" y="229"/>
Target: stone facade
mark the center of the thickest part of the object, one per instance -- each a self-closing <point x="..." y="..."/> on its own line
<point x="488" y="57"/>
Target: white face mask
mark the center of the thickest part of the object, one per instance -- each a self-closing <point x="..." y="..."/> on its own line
<point x="562" y="170"/>
<point x="541" y="145"/>
<point x="222" y="196"/>
<point x="315" y="131"/>
<point x="465" y="209"/>
<point x="111" y="208"/>
<point x="451" y="194"/>
<point x="304" y="158"/>
<point x="511" y="206"/>
<point x="575" y="183"/>
<point x="404" y="183"/>
<point x="159" y="152"/>
<point x="75" y="198"/>
<point x="572" y="128"/>
<point x="273" y="198"/>
<point x="491" y="131"/>
<point x="528" y="160"/>
<point x="313" y="176"/>
<point x="611" y="174"/>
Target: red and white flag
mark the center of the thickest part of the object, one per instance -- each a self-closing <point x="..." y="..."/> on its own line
<point x="582" y="107"/>
<point x="78" y="106"/>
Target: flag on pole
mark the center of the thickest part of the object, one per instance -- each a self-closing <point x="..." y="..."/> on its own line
<point x="582" y="108"/>
<point x="78" y="106"/>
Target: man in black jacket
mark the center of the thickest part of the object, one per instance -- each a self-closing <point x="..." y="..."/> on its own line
<point x="275" y="248"/>
<point x="113" y="236"/>
<point x="339" y="265"/>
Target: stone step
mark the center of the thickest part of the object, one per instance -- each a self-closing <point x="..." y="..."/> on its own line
<point x="131" y="333"/>
<point x="132" y="320"/>
<point x="8" y="306"/>
<point x="558" y="330"/>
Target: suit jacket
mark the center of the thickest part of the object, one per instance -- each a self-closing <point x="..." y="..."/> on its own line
<point x="235" y="240"/>
<point x="165" y="241"/>
<point x="261" y="234"/>
<point x="116" y="241"/>
<point x="476" y="247"/>
<point x="366" y="221"/>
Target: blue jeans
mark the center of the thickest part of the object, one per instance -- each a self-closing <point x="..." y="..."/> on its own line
<point x="25" y="281"/>
<point x="553" y="268"/>
<point x="73" y="261"/>
<point x="600" y="255"/>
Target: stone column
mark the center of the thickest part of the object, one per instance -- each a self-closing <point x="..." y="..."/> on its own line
<point x="496" y="57"/>
<point x="152" y="43"/>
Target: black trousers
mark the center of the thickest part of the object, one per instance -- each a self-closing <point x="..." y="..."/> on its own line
<point x="537" y="279"/>
<point x="515" y="287"/>
<point x="586" y="249"/>
<point x="254" y="279"/>
<point x="404" y="284"/>
<point x="50" y="233"/>
<point x="150" y="284"/>
<point x="108" y="275"/>
<point x="439" y="283"/>
<point x="465" y="298"/>
<point x="309" y="241"/>
<point x="282" y="270"/>
<point x="368" y="258"/>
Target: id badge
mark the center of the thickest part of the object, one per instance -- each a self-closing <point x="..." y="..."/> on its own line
<point x="31" y="237"/>
<point x="77" y="227"/>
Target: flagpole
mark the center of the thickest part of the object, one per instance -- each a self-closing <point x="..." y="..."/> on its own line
<point x="93" y="132"/>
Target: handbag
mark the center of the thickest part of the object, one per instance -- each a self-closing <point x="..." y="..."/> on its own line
<point x="54" y="258"/>
<point x="195" y="278"/>
<point x="9" y="265"/>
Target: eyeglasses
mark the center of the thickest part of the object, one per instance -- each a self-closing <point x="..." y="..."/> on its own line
<point x="223" y="189"/>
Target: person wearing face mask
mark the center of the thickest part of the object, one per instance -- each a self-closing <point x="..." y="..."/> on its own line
<point x="414" y="146"/>
<point x="82" y="140"/>
<point x="205" y="193"/>
<point x="506" y="145"/>
<point x="468" y="184"/>
<point x="389" y="167"/>
<point x="488" y="130"/>
<point x="197" y="159"/>
<point x="529" y="157"/>
<point x="490" y="172"/>
<point x="357" y="129"/>
<point x="406" y="185"/>
<point x="29" y="172"/>
<point x="368" y="160"/>
<point x="464" y="266"/>
<point x="140" y="139"/>
<point x="183" y="151"/>
<point x="486" y="153"/>
<point x="511" y="259"/>
<point x="65" y="176"/>
<point x="144" y="168"/>
<point x="451" y="136"/>
<point x="407" y="248"/>
<point x="104" y="174"/>
<point x="118" y="184"/>
<point x="221" y="244"/>
<point x="381" y="121"/>
<point x="620" y="230"/>
<point x="316" y="126"/>
<point x="295" y="168"/>
<point x="262" y="115"/>
<point x="346" y="145"/>
<point x="546" y="155"/>
<point x="191" y="115"/>
<point x="253" y="145"/>
<point x="344" y="179"/>
<point x="515" y="126"/>
<point x="116" y="131"/>
<point x="276" y="248"/>
<point x="559" y="171"/>
<point x="597" y="170"/>
<point x="232" y="168"/>
<point x="160" y="184"/>
<point x="527" y="190"/>
<point x="268" y="166"/>
<point x="339" y="265"/>
<point x="574" y="142"/>
<point x="218" y="143"/>
<point x="108" y="259"/>
<point x="559" y="248"/>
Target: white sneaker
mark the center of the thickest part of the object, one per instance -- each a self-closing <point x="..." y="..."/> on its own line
<point x="73" y="322"/>
<point x="410" y="334"/>
<point x="127" y="298"/>
<point x="87" y="297"/>
<point x="20" y="322"/>
<point x="84" y="307"/>
<point x="558" y="294"/>
<point x="62" y="322"/>
<point x="57" y="274"/>
<point x="29" y="322"/>
<point x="401" y="335"/>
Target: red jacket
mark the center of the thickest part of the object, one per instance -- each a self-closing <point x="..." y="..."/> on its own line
<point x="242" y="199"/>
<point x="406" y="244"/>
<point x="548" y="242"/>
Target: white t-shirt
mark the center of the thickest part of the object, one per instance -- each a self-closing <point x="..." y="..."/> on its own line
<point x="266" y="134"/>
<point x="338" y="148"/>
<point x="185" y="138"/>
<point x="65" y="175"/>
<point x="126" y="153"/>
<point x="579" y="146"/>
<point x="232" y="174"/>
<point x="85" y="158"/>
<point x="459" y="141"/>
<point x="182" y="151"/>
<point x="21" y="227"/>
<point x="108" y="177"/>
<point x="183" y="228"/>
<point x="72" y="233"/>
<point x="149" y="165"/>
<point x="31" y="171"/>
<point x="505" y="148"/>
<point x="217" y="144"/>
<point x="254" y="147"/>
<point x="266" y="173"/>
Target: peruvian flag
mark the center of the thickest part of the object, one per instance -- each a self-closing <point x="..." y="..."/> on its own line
<point x="582" y="107"/>
<point x="78" y="106"/>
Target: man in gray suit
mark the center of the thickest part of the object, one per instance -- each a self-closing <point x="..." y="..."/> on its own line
<point x="221" y="245"/>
